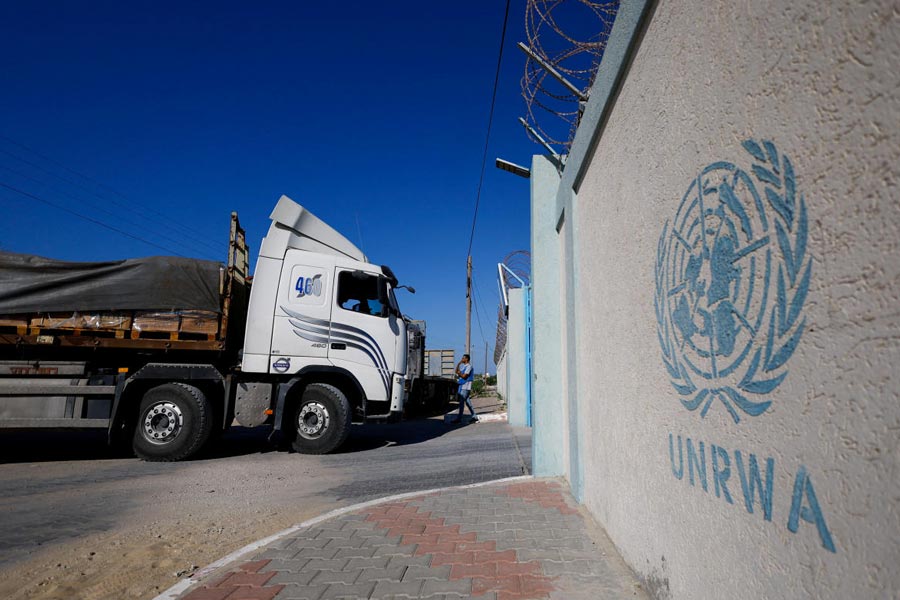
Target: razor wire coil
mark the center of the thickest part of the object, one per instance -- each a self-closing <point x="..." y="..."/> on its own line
<point x="519" y="263"/>
<point x="570" y="36"/>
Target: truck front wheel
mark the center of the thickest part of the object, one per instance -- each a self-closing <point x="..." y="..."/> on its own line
<point x="321" y="421"/>
<point x="174" y="422"/>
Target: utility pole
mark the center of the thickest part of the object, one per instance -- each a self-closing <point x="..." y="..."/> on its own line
<point x="469" y="306"/>
<point x="484" y="373"/>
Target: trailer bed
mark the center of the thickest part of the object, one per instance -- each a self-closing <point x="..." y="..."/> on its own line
<point x="212" y="313"/>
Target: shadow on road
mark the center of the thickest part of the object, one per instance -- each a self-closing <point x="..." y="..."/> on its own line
<point x="73" y="445"/>
<point x="370" y="437"/>
<point x="42" y="446"/>
<point x="46" y="446"/>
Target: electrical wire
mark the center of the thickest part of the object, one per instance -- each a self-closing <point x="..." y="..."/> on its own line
<point x="173" y="223"/>
<point x="103" y="210"/>
<point x="85" y="217"/>
<point x="192" y="234"/>
<point x="478" y="296"/>
<point x="478" y="318"/>
<point x="477" y="315"/>
<point x="487" y="137"/>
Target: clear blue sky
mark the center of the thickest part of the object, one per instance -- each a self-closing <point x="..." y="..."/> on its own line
<point x="365" y="112"/>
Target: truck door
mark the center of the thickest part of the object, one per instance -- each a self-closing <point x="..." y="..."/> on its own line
<point x="302" y="313"/>
<point x="363" y="331"/>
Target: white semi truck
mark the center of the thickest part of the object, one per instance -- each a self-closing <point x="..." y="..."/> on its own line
<point x="164" y="353"/>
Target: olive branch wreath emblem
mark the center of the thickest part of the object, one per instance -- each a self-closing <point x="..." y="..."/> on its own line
<point x="727" y="332"/>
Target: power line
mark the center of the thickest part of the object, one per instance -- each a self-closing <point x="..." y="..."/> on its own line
<point x="101" y="209"/>
<point x="174" y="223"/>
<point x="86" y="218"/>
<point x="494" y="292"/>
<point x="478" y="318"/>
<point x="477" y="314"/>
<point x="478" y="296"/>
<point x="487" y="137"/>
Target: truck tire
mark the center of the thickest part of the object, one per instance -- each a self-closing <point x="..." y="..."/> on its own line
<point x="321" y="420"/>
<point x="174" y="421"/>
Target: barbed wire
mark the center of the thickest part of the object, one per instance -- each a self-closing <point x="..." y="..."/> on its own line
<point x="500" y="341"/>
<point x="570" y="36"/>
<point x="519" y="262"/>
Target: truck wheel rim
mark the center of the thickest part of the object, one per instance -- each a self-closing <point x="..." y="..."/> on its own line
<point x="313" y="420"/>
<point x="162" y="423"/>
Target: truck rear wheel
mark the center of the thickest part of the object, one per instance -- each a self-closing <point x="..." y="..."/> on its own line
<point x="174" y="422"/>
<point x="321" y="421"/>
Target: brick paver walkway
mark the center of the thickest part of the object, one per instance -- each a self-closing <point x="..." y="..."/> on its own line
<point x="502" y="541"/>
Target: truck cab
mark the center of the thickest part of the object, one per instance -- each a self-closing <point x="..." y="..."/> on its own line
<point x="324" y="323"/>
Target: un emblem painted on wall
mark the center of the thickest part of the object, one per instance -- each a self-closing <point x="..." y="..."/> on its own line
<point x="732" y="275"/>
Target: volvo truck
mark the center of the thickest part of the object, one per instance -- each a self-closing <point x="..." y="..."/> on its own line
<point x="165" y="353"/>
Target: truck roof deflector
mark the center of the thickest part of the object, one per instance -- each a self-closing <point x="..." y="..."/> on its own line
<point x="295" y="227"/>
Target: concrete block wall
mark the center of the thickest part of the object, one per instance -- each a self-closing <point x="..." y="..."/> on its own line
<point x="725" y="329"/>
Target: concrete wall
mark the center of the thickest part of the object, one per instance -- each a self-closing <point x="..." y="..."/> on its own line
<point x="731" y="398"/>
<point x="516" y="399"/>
<point x="550" y="421"/>
<point x="503" y="377"/>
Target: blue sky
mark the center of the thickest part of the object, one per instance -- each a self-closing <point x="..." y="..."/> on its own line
<point x="372" y="115"/>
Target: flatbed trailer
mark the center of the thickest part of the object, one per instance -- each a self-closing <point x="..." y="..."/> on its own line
<point x="72" y="370"/>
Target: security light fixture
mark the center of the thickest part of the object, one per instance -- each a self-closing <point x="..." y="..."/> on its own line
<point x="513" y="168"/>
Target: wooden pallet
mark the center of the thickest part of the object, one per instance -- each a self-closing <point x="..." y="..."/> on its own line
<point x="100" y="321"/>
<point x="172" y="326"/>
<point x="177" y="325"/>
<point x="93" y="341"/>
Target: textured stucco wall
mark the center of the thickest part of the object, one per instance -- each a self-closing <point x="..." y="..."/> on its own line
<point x="549" y="420"/>
<point x="821" y="82"/>
<point x="502" y="377"/>
<point x="515" y="363"/>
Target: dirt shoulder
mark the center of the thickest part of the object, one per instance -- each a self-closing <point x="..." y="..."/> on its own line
<point x="144" y="558"/>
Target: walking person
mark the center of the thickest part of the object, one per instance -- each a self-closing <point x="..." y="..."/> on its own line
<point x="465" y="374"/>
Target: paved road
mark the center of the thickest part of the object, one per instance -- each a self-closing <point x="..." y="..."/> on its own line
<point x="71" y="515"/>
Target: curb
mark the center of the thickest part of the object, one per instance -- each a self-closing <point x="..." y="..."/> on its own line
<point x="483" y="418"/>
<point x="182" y="586"/>
<point x="491" y="417"/>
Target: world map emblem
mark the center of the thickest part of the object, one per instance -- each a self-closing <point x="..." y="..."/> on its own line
<point x="732" y="275"/>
